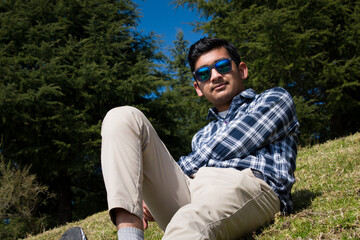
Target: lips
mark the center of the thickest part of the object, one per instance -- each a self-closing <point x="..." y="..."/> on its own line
<point x="219" y="86"/>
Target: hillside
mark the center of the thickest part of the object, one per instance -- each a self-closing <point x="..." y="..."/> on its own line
<point x="326" y="197"/>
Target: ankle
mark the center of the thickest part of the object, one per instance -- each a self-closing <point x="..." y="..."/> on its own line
<point x="124" y="219"/>
<point x="130" y="233"/>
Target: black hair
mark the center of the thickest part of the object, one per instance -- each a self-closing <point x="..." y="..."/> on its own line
<point x="207" y="44"/>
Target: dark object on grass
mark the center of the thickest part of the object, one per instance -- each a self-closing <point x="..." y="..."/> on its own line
<point x="74" y="233"/>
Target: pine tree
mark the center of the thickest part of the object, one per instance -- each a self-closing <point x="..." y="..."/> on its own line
<point x="63" y="65"/>
<point x="311" y="48"/>
<point x="181" y="111"/>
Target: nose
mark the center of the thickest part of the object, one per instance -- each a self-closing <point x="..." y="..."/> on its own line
<point x="215" y="74"/>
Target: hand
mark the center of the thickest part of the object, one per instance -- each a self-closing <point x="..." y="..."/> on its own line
<point x="147" y="216"/>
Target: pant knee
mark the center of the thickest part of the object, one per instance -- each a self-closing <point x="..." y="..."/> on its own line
<point x="120" y="117"/>
<point x="122" y="112"/>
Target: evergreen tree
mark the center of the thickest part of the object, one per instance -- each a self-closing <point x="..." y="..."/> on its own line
<point x="181" y="110"/>
<point x="63" y="65"/>
<point x="190" y="109"/>
<point x="309" y="47"/>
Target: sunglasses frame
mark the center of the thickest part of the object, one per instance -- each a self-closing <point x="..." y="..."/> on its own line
<point x="211" y="67"/>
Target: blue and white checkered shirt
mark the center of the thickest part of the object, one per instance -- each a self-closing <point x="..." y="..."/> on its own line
<point x="258" y="132"/>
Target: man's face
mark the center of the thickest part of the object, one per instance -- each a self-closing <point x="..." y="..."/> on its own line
<point x="220" y="89"/>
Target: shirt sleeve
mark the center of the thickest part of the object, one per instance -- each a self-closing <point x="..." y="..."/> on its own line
<point x="272" y="117"/>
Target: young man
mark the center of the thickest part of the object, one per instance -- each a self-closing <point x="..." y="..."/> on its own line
<point x="240" y="171"/>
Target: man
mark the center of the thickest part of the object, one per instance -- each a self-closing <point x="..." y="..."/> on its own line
<point x="240" y="171"/>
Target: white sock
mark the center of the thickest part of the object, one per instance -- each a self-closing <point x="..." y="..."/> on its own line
<point x="130" y="233"/>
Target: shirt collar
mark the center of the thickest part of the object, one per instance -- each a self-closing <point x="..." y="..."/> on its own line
<point x="237" y="101"/>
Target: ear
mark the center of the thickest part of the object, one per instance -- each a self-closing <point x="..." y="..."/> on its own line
<point x="198" y="90"/>
<point x="243" y="70"/>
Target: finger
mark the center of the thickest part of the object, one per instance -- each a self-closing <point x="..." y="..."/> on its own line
<point x="147" y="214"/>
<point x="145" y="223"/>
<point x="148" y="217"/>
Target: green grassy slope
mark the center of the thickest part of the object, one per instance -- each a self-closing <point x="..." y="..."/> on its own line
<point x="326" y="197"/>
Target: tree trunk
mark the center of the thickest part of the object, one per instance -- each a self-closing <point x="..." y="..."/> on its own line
<point x="65" y="196"/>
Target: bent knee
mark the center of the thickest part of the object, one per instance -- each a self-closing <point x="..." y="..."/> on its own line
<point x="120" y="116"/>
<point x="123" y="112"/>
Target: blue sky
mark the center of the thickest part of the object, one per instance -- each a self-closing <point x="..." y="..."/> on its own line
<point x="164" y="19"/>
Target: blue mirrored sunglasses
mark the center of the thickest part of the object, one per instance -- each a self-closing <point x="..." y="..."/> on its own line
<point x="204" y="73"/>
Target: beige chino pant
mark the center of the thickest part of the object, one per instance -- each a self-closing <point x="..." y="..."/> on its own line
<point x="218" y="203"/>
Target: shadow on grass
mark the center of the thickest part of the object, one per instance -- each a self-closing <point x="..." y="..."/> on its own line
<point x="302" y="200"/>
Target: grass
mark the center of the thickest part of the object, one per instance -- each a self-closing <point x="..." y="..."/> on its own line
<point x="326" y="198"/>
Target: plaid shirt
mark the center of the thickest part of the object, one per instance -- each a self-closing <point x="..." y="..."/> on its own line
<point x="258" y="132"/>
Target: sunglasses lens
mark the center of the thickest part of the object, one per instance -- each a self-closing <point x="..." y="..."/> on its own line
<point x="224" y="66"/>
<point x="203" y="74"/>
